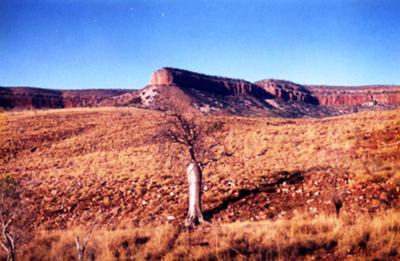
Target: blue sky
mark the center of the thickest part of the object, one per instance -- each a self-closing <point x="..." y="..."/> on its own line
<point x="118" y="44"/>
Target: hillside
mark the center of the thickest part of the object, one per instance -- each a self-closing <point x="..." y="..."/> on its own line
<point x="103" y="165"/>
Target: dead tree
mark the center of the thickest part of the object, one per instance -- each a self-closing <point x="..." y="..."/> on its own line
<point x="194" y="175"/>
<point x="9" y="208"/>
<point x="82" y="243"/>
<point x="336" y="199"/>
<point x="9" y="243"/>
<point x="191" y="135"/>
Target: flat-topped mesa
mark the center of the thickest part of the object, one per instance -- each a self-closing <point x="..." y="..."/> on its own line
<point x="212" y="84"/>
<point x="357" y="95"/>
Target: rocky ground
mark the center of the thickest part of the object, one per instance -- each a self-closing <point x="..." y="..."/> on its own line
<point x="110" y="171"/>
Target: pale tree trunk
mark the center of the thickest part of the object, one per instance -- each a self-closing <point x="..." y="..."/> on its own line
<point x="10" y="244"/>
<point x="80" y="248"/>
<point x="195" y="214"/>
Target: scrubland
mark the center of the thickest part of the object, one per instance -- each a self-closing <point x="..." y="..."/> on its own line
<point x="302" y="237"/>
<point x="269" y="195"/>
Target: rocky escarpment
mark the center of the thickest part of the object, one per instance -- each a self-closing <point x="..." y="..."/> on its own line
<point x="172" y="88"/>
<point x="333" y="96"/>
<point x="288" y="91"/>
<point x="353" y="96"/>
<point x="279" y="89"/>
<point x="27" y="97"/>
<point x="39" y="98"/>
<point x="91" y="98"/>
<point x="202" y="82"/>
<point x="176" y="88"/>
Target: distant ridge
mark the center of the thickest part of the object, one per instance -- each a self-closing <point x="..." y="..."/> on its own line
<point x="19" y="98"/>
<point x="173" y="88"/>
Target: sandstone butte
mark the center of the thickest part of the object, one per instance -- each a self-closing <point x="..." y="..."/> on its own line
<point x="186" y="81"/>
<point x="285" y="90"/>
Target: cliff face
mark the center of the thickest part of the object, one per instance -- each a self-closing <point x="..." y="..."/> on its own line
<point x="222" y="95"/>
<point x="266" y="97"/>
<point x="288" y="91"/>
<point x="89" y="98"/>
<point x="353" y="96"/>
<point x="26" y="98"/>
<point x="202" y="82"/>
<point x="279" y="89"/>
<point x="333" y="96"/>
<point x="38" y="98"/>
<point x="196" y="92"/>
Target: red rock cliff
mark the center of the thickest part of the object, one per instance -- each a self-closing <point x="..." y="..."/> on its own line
<point x="288" y="91"/>
<point x="27" y="97"/>
<point x="332" y="95"/>
<point x="212" y="84"/>
<point x="88" y="98"/>
<point x="351" y="96"/>
<point x="38" y="98"/>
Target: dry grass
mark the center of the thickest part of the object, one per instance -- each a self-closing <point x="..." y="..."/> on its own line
<point x="117" y="141"/>
<point x="299" y="238"/>
<point x="123" y="244"/>
<point x="81" y="165"/>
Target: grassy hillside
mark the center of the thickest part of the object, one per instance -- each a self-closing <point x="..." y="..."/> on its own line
<point x="78" y="167"/>
<point x="301" y="238"/>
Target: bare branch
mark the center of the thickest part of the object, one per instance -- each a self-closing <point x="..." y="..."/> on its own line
<point x="9" y="221"/>
<point x="81" y="245"/>
<point x="10" y="207"/>
<point x="5" y="248"/>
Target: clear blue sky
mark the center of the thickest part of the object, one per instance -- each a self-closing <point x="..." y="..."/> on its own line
<point x="118" y="44"/>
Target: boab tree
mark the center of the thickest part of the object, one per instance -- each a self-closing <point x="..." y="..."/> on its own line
<point x="191" y="135"/>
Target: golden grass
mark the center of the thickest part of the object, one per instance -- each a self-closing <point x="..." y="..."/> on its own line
<point x="110" y="139"/>
<point x="73" y="152"/>
<point x="81" y="165"/>
<point x="301" y="237"/>
<point x="122" y="244"/>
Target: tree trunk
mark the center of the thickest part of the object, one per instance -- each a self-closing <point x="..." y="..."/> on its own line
<point x="10" y="248"/>
<point x="195" y="214"/>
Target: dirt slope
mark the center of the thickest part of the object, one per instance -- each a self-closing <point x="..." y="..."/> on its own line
<point x="79" y="166"/>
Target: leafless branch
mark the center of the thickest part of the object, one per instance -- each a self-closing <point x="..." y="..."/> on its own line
<point x="81" y="245"/>
<point x="6" y="224"/>
<point x="192" y="135"/>
<point x="5" y="248"/>
<point x="10" y="207"/>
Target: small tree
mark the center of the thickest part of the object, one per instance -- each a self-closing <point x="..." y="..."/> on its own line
<point x="336" y="198"/>
<point x="9" y="209"/>
<point x="191" y="135"/>
<point x="81" y="243"/>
